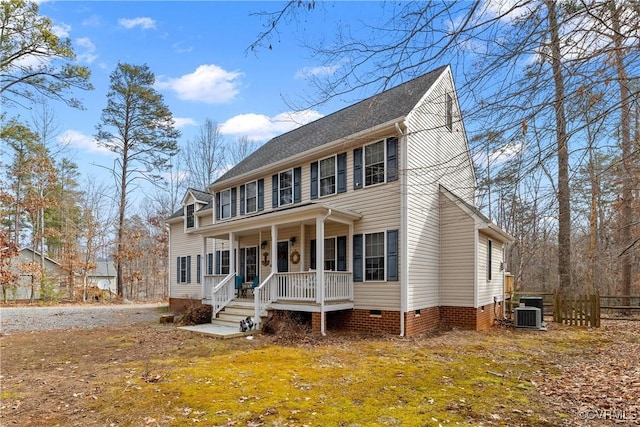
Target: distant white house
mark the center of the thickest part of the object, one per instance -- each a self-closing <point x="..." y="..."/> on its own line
<point x="104" y="276"/>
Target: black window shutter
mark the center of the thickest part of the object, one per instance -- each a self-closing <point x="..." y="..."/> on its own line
<point x="357" y="168"/>
<point x="234" y="194"/>
<point x="342" y="173"/>
<point x="392" y="255"/>
<point x="218" y="207"/>
<point x="314" y="180"/>
<point x="210" y="263"/>
<point x="342" y="253"/>
<point x="392" y="159"/>
<point x="357" y="258"/>
<point x="178" y="270"/>
<point x="218" y="262"/>
<point x="297" y="185"/>
<point x="189" y="269"/>
<point x="312" y="254"/>
<point x="274" y="190"/>
<point x="242" y="208"/>
<point x="198" y="268"/>
<point x="261" y="194"/>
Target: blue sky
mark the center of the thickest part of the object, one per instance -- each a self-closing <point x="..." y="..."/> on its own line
<point x="198" y="52"/>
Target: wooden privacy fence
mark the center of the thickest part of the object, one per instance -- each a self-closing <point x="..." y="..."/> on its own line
<point x="580" y="310"/>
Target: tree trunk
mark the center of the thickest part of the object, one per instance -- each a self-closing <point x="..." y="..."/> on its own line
<point x="626" y="214"/>
<point x="564" y="205"/>
<point x="121" y="212"/>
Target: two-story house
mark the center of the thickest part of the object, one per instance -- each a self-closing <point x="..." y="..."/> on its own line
<point x="364" y="218"/>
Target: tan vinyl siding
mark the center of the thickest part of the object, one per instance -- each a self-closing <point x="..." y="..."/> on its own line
<point x="457" y="256"/>
<point x="435" y="156"/>
<point x="487" y="289"/>
<point x="184" y="245"/>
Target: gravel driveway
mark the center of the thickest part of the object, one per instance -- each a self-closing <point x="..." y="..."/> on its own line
<point x="15" y="319"/>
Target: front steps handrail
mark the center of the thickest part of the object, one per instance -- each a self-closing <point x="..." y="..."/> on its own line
<point x="223" y="293"/>
<point x="262" y="297"/>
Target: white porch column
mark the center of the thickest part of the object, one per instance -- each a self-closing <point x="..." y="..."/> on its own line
<point x="232" y="258"/>
<point x="350" y="261"/>
<point x="320" y="269"/>
<point x="274" y="262"/>
<point x="303" y="248"/>
<point x="203" y="271"/>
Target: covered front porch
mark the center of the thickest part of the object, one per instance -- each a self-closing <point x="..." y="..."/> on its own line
<point x="293" y="259"/>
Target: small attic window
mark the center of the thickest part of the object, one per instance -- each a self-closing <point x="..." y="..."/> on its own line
<point x="449" y="112"/>
<point x="190" y="216"/>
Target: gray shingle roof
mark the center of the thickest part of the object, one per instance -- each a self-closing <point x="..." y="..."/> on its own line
<point x="202" y="196"/>
<point x="391" y="104"/>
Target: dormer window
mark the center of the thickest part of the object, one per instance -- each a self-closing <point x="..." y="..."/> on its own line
<point x="191" y="222"/>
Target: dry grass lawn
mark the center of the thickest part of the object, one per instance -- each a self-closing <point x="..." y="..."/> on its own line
<point x="157" y="375"/>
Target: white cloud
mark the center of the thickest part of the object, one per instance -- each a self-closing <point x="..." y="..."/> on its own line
<point x="61" y="30"/>
<point x="82" y="142"/>
<point x="208" y="83"/>
<point x="92" y="21"/>
<point x="181" y="122"/>
<point x="143" y="22"/>
<point x="86" y="53"/>
<point x="258" y="127"/>
<point x="316" y="71"/>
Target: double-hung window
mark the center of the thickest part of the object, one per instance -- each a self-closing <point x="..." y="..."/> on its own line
<point x="328" y="176"/>
<point x="191" y="216"/>
<point x="330" y="254"/>
<point x="222" y="262"/>
<point x="374" y="256"/>
<point x="285" y="187"/>
<point x="251" y="197"/>
<point x="374" y="159"/>
<point x="225" y="204"/>
<point x="183" y="267"/>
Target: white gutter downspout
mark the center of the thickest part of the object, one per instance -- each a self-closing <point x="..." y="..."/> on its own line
<point x="404" y="270"/>
<point x="320" y="269"/>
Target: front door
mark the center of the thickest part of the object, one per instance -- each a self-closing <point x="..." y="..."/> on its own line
<point x="283" y="256"/>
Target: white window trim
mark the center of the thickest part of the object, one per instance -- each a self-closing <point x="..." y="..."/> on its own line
<point x="222" y="193"/>
<point x="364" y="163"/>
<point x="186" y="217"/>
<point x="280" y="189"/>
<point x="186" y="267"/>
<point x="246" y="199"/>
<point x="335" y="176"/>
<point x="364" y="256"/>
<point x="335" y="251"/>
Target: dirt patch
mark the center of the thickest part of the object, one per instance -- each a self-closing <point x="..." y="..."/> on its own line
<point x="153" y="374"/>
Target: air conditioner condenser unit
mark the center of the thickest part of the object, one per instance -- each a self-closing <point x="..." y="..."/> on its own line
<point x="528" y="317"/>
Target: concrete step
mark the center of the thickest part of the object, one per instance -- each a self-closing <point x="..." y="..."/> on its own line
<point x="241" y="311"/>
<point x="219" y="330"/>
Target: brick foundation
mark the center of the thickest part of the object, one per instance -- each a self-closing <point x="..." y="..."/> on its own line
<point x="428" y="319"/>
<point x="180" y="305"/>
<point x="467" y="317"/>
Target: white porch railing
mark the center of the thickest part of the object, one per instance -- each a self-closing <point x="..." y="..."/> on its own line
<point x="208" y="284"/>
<point x="262" y="297"/>
<point x="223" y="293"/>
<point x="338" y="286"/>
<point x="296" y="286"/>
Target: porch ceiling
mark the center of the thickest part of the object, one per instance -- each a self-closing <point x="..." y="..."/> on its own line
<point x="306" y="213"/>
